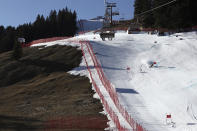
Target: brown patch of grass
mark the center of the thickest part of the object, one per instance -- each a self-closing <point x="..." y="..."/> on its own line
<point x="36" y="90"/>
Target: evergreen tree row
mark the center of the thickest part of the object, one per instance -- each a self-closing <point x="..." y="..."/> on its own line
<point x="61" y="23"/>
<point x="178" y="15"/>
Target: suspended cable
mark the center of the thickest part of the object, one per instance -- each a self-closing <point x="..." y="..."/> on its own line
<point x="156" y="8"/>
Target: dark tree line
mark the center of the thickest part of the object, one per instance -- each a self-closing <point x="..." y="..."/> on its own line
<point x="61" y="23"/>
<point x="178" y="15"/>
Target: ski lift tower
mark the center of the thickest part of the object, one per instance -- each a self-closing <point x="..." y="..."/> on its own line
<point x="109" y="13"/>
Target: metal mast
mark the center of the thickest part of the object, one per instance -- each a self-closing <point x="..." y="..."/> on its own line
<point x="108" y="21"/>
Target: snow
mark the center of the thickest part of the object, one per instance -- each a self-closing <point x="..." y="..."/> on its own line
<point x="148" y="93"/>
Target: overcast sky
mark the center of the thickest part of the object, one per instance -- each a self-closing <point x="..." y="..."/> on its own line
<point x="15" y="12"/>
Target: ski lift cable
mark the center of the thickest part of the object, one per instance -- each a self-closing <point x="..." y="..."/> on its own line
<point x="156" y="8"/>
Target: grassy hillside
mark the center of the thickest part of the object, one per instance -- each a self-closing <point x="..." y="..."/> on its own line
<point x="36" y="93"/>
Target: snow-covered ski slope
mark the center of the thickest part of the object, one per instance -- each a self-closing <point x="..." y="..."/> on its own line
<point x="148" y="94"/>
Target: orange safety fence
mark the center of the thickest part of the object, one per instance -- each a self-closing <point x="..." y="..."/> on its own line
<point x="44" y="41"/>
<point x="111" y="90"/>
<point x="109" y="110"/>
<point x="106" y="83"/>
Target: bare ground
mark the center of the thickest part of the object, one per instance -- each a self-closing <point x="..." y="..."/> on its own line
<point x="36" y="93"/>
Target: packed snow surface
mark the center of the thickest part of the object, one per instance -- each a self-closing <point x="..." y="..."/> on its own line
<point x="154" y="76"/>
<point x="148" y="93"/>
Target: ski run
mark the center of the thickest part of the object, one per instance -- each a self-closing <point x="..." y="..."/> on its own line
<point x="155" y="77"/>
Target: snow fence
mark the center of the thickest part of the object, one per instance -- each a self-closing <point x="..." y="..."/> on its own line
<point x="106" y="83"/>
<point x="44" y="41"/>
<point x="112" y="92"/>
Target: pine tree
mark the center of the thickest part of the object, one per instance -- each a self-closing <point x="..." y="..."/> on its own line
<point x="74" y="23"/>
<point x="180" y="15"/>
<point x="193" y="10"/>
<point x="138" y="7"/>
<point x="177" y="15"/>
<point x="2" y="31"/>
<point x="147" y="20"/>
<point x="52" y="19"/>
<point x="17" y="51"/>
<point x="62" y="23"/>
<point x="161" y="15"/>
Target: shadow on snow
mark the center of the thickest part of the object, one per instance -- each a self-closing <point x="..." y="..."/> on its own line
<point x="129" y="91"/>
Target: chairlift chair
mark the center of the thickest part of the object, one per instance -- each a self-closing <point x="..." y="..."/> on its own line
<point x="134" y="27"/>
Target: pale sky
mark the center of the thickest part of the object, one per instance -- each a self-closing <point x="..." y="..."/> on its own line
<point x="15" y="12"/>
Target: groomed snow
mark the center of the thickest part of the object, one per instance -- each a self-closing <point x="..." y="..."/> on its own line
<point x="150" y="93"/>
